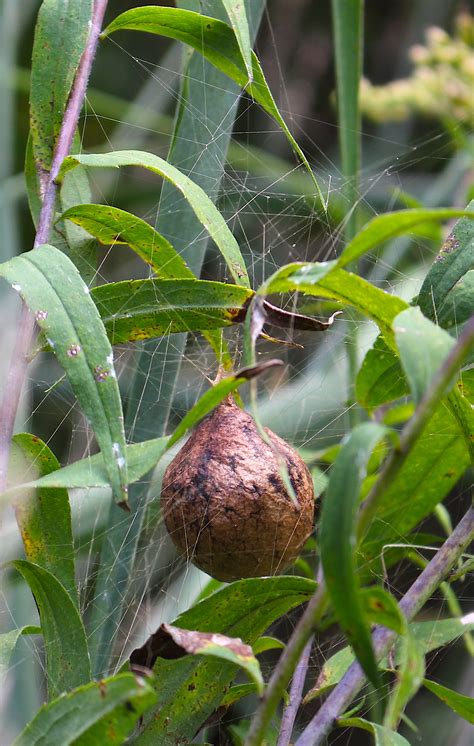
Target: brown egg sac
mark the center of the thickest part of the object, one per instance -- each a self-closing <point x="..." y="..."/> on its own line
<point x="224" y="502"/>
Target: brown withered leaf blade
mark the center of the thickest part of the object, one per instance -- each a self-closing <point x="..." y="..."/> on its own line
<point x="289" y="320"/>
<point x="171" y="643"/>
<point x="256" y="370"/>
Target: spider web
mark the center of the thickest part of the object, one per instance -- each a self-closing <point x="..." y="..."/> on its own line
<point x="305" y="401"/>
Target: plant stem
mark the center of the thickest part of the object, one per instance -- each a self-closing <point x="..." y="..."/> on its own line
<point x="317" y="605"/>
<point x="383" y="639"/>
<point x="17" y="372"/>
<point x="287" y="663"/>
<point x="296" y="691"/>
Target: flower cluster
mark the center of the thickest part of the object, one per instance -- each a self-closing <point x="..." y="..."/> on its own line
<point x="441" y="85"/>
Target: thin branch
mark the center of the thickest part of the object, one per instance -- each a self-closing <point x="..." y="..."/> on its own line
<point x="296" y="692"/>
<point x="383" y="639"/>
<point x="316" y="607"/>
<point x="17" y="372"/>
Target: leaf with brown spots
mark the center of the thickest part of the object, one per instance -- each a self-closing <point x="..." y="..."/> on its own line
<point x="61" y="34"/>
<point x="43" y="515"/>
<point x="172" y="643"/>
<point x="190" y="688"/>
<point x="103" y="712"/>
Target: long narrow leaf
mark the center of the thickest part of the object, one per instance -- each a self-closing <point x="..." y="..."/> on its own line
<point x="43" y="516"/>
<point x="348" y="45"/>
<point x="382" y="736"/>
<point x="113" y="226"/>
<point x="238" y="20"/>
<point x="432" y="468"/>
<point x="393" y="224"/>
<point x="190" y="689"/>
<point x="338" y="541"/>
<point x="447" y="293"/>
<point x="428" y="635"/>
<point x="54" y="291"/>
<point x="217" y="42"/>
<point x="204" y="209"/>
<point x="422" y="346"/>
<point x="459" y="703"/>
<point x="66" y="651"/>
<point x="91" y="472"/>
<point x="99" y="712"/>
<point x="61" y="34"/>
<point x="139" y="309"/>
<point x="8" y="641"/>
<point x="207" y="106"/>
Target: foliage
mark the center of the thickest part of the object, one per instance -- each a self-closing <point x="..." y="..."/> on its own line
<point x="410" y="394"/>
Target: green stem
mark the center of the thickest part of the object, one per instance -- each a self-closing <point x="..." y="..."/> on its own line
<point x="286" y="665"/>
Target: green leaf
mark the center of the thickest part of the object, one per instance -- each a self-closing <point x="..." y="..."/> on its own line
<point x="79" y="246"/>
<point x="348" y="45"/>
<point x="230" y="649"/>
<point x="65" y="645"/>
<point x="61" y="34"/>
<point x="32" y="182"/>
<point x="331" y="673"/>
<point x="432" y="468"/>
<point x="338" y="541"/>
<point x="55" y="293"/>
<point x="99" y="712"/>
<point x="217" y="42"/>
<point x="459" y="703"/>
<point x="204" y="209"/>
<point x="236" y="693"/>
<point x="428" y="635"/>
<point x="410" y="675"/>
<point x="207" y="106"/>
<point x="190" y="689"/>
<point x="390" y="225"/>
<point x="8" y="642"/>
<point x="238" y="20"/>
<point x="141" y="457"/>
<point x="91" y="471"/>
<point x="382" y="736"/>
<point x="381" y="608"/>
<point x="439" y="632"/>
<point x="70" y="239"/>
<point x="380" y="378"/>
<point x="325" y="279"/>
<point x="423" y="347"/>
<point x="447" y="293"/>
<point x="109" y="225"/>
<point x="114" y="226"/>
<point x="43" y="515"/>
<point x="140" y="309"/>
<point x="267" y="643"/>
<point x="463" y="411"/>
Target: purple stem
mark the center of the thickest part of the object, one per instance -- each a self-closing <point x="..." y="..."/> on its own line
<point x="26" y="325"/>
<point x="296" y="691"/>
<point x="383" y="639"/>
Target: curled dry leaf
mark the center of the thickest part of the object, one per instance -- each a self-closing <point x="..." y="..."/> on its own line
<point x="224" y="502"/>
<point x="291" y="320"/>
<point x="172" y="642"/>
